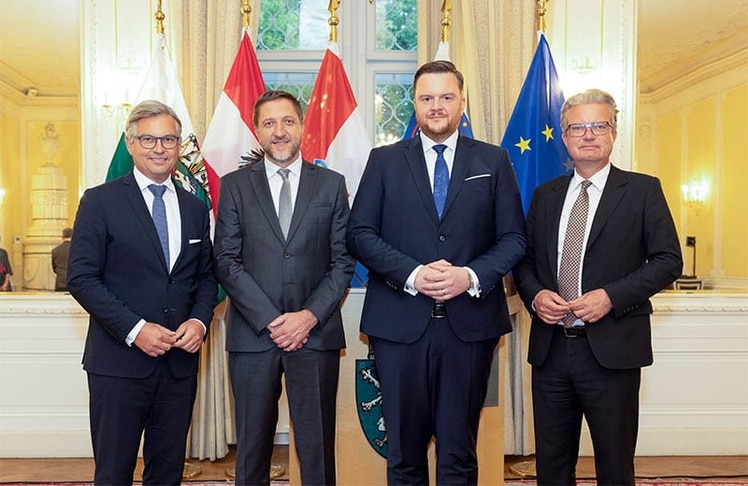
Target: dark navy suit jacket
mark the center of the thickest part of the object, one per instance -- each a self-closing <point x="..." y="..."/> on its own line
<point x="118" y="273"/>
<point x="394" y="227"/>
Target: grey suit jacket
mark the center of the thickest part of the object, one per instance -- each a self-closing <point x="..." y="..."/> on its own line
<point x="265" y="275"/>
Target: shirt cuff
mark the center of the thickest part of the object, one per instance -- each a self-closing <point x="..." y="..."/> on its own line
<point x="410" y="283"/>
<point x="474" y="289"/>
<point x="130" y="338"/>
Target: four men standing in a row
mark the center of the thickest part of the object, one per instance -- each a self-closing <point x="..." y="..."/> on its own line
<point x="438" y="222"/>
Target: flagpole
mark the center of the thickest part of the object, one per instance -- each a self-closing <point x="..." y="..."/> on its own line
<point x="528" y="469"/>
<point x="246" y="10"/>
<point x="333" y="21"/>
<point x="446" y="20"/>
<point x="190" y="470"/>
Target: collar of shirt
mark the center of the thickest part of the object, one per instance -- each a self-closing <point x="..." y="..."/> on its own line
<point x="430" y="154"/>
<point x="144" y="182"/>
<point x="171" y="204"/>
<point x="598" y="180"/>
<point x="275" y="181"/>
<point x="294" y="169"/>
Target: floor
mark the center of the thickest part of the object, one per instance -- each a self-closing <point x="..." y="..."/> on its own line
<point x="713" y="467"/>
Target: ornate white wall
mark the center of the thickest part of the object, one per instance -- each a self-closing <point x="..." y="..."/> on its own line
<point x="693" y="400"/>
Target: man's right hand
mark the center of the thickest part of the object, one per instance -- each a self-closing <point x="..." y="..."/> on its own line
<point x="155" y="340"/>
<point x="550" y="306"/>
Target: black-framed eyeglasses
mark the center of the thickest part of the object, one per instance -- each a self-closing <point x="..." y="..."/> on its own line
<point x="167" y="141"/>
<point x="598" y="128"/>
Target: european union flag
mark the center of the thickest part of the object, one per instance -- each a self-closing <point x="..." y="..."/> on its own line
<point x="533" y="135"/>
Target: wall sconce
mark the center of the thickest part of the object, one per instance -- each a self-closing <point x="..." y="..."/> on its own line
<point x="695" y="194"/>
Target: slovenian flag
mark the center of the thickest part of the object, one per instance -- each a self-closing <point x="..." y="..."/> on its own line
<point x="230" y="137"/>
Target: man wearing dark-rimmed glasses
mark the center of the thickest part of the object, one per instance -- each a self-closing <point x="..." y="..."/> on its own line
<point x="141" y="265"/>
<point x="600" y="243"/>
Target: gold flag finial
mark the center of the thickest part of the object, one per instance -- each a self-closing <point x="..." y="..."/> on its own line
<point x="333" y="21"/>
<point x="542" y="10"/>
<point x="446" y="19"/>
<point x="246" y="10"/>
<point x="159" y="18"/>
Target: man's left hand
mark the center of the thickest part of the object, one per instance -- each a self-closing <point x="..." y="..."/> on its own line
<point x="190" y="335"/>
<point x="592" y="306"/>
<point x="290" y="331"/>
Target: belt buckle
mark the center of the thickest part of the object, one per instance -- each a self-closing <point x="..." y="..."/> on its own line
<point x="439" y="311"/>
<point x="574" y="332"/>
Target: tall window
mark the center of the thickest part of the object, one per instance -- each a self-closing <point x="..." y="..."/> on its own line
<point x="292" y="38"/>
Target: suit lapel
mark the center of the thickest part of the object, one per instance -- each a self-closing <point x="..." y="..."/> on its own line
<point x="552" y="220"/>
<point x="307" y="182"/>
<point x="464" y="154"/>
<point x="143" y="215"/>
<point x="417" y="164"/>
<point x="259" y="182"/>
<point x="611" y="196"/>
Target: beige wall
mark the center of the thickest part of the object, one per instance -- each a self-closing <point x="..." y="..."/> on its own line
<point x="695" y="130"/>
<point x="22" y="125"/>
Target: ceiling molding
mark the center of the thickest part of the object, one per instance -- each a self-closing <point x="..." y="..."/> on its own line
<point x="695" y="76"/>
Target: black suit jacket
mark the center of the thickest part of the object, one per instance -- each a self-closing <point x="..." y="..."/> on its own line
<point x="265" y="275"/>
<point x="118" y="273"/>
<point x="60" y="264"/>
<point x="394" y="227"/>
<point x="632" y="253"/>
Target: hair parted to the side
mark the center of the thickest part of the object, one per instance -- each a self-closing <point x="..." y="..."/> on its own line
<point x="150" y="109"/>
<point x="272" y="95"/>
<point x="439" y="67"/>
<point x="591" y="96"/>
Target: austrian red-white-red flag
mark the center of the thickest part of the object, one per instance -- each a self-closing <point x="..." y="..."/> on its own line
<point x="230" y="136"/>
<point x="334" y="134"/>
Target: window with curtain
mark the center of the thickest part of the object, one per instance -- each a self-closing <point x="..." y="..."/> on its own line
<point x="377" y="42"/>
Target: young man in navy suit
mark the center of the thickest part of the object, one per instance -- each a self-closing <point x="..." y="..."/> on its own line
<point x="589" y="302"/>
<point x="141" y="265"/>
<point x="438" y="222"/>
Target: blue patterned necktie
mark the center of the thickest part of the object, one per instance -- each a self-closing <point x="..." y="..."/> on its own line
<point x="159" y="218"/>
<point x="441" y="179"/>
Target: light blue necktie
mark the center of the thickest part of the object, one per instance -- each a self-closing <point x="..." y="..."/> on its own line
<point x="159" y="218"/>
<point x="441" y="179"/>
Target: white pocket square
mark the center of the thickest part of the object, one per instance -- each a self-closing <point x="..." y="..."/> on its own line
<point x="193" y="241"/>
<point x="479" y="176"/>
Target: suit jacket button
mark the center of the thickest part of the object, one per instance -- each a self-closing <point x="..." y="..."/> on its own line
<point x="442" y="238"/>
<point x="286" y="256"/>
<point x="165" y="309"/>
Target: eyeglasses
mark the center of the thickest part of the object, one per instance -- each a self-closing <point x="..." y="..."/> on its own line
<point x="598" y="128"/>
<point x="149" y="141"/>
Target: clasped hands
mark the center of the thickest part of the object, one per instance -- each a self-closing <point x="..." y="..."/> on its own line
<point x="441" y="280"/>
<point x="156" y="340"/>
<point x="290" y="331"/>
<point x="590" y="307"/>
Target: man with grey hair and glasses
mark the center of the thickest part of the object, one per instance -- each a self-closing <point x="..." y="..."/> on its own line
<point x="601" y="242"/>
<point x="141" y="265"/>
